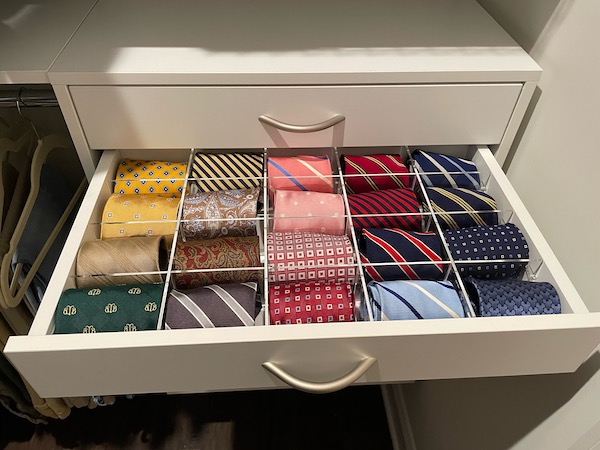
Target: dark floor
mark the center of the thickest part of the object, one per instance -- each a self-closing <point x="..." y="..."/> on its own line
<point x="280" y="420"/>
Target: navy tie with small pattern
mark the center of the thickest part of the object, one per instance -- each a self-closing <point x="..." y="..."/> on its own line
<point x="510" y="297"/>
<point x="486" y="246"/>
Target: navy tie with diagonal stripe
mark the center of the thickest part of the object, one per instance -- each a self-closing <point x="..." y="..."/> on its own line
<point x="459" y="208"/>
<point x="215" y="305"/>
<point x="486" y="247"/>
<point x="439" y="170"/>
<point x="392" y="208"/>
<point x="396" y="248"/>
<point x="406" y="300"/>
<point x="511" y="297"/>
<point x="227" y="171"/>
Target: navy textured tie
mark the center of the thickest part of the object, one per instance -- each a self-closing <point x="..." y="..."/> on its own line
<point x="512" y="297"/>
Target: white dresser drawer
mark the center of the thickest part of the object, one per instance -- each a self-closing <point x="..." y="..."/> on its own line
<point x="227" y="117"/>
<point x="232" y="358"/>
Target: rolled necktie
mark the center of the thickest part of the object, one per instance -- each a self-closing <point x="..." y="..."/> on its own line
<point x="481" y="244"/>
<point x="374" y="173"/>
<point x="385" y="245"/>
<point x="301" y="256"/>
<point x="133" y="307"/>
<point x="406" y="300"/>
<point x="128" y="215"/>
<point x="316" y="212"/>
<point x="150" y="177"/>
<point x="227" y="171"/>
<point x="385" y="209"/>
<point x="439" y="170"/>
<point x="220" y="253"/>
<point x="300" y="173"/>
<point x="215" y="305"/>
<point x="313" y="302"/>
<point x="97" y="260"/>
<point x="510" y="297"/>
<point x="460" y="208"/>
<point x="208" y="215"/>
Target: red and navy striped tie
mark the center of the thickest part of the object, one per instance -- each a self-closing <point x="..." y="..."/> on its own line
<point x="398" y="248"/>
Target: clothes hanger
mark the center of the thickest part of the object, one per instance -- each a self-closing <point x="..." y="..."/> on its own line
<point x="11" y="292"/>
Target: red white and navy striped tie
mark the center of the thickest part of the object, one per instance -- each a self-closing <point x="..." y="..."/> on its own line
<point x="397" y="249"/>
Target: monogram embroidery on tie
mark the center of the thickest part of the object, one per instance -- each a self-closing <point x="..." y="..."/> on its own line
<point x="89" y="329"/>
<point x="134" y="291"/>
<point x="111" y="308"/>
<point x="151" y="307"/>
<point x="95" y="292"/>
<point x="69" y="310"/>
<point x="130" y="327"/>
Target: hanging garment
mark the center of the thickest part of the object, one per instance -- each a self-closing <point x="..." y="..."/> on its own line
<point x="53" y="197"/>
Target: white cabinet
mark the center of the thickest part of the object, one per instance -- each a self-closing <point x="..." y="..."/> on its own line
<point x="198" y="75"/>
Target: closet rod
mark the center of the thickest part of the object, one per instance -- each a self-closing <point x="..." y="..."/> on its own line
<point x="27" y="97"/>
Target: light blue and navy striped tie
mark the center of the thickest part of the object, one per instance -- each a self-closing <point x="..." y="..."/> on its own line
<point x="446" y="171"/>
<point x="406" y="300"/>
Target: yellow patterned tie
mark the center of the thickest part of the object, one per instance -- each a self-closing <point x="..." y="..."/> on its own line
<point x="150" y="177"/>
<point x="128" y="215"/>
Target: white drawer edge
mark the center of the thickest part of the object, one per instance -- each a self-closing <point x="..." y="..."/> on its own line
<point x="301" y="332"/>
<point x="484" y="157"/>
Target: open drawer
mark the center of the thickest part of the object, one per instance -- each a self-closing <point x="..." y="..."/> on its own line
<point x="317" y="357"/>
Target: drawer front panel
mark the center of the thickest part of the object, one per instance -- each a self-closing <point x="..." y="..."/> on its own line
<point x="227" y="117"/>
<point x="232" y="358"/>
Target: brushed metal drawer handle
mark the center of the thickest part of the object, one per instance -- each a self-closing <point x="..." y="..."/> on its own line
<point x="302" y="128"/>
<point x="320" y="388"/>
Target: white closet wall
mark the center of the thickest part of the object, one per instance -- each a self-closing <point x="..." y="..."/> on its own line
<point x="555" y="168"/>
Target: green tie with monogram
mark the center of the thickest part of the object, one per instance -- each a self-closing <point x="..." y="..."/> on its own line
<point x="109" y="308"/>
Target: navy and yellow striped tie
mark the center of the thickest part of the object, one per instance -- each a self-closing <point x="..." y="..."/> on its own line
<point x="460" y="208"/>
<point x="227" y="171"/>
